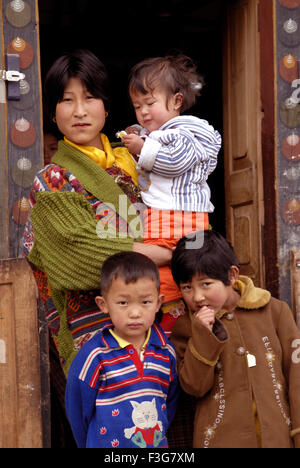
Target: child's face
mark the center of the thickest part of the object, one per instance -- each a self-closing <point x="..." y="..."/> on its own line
<point x="153" y="110"/>
<point x="132" y="307"/>
<point x="50" y="147"/>
<point x="204" y="291"/>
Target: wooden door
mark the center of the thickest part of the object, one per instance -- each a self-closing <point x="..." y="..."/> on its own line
<point x="21" y="405"/>
<point x="242" y="136"/>
<point x="20" y="386"/>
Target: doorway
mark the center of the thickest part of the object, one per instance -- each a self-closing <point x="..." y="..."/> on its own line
<point x="223" y="38"/>
<point x="121" y="36"/>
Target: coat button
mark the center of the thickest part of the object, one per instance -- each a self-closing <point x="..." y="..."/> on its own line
<point x="230" y="316"/>
<point x="241" y="351"/>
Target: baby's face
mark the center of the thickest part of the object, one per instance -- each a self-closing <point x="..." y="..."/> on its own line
<point x="154" y="109"/>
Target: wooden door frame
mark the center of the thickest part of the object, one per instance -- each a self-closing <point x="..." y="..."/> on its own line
<point x="24" y="365"/>
<point x="267" y="84"/>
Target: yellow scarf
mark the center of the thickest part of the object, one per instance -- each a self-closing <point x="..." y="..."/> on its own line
<point x="109" y="156"/>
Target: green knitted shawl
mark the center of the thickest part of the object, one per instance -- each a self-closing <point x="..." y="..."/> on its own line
<point x="66" y="246"/>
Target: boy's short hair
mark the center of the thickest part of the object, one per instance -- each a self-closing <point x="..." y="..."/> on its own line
<point x="213" y="258"/>
<point x="130" y="267"/>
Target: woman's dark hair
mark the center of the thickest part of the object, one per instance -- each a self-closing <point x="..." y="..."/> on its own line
<point x="206" y="252"/>
<point x="172" y="73"/>
<point x="81" y="64"/>
<point x="130" y="267"/>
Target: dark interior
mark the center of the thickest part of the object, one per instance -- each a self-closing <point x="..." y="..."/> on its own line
<point x="121" y="34"/>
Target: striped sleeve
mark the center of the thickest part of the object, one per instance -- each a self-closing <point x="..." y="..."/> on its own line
<point x="81" y="393"/>
<point x="176" y="150"/>
<point x="173" y="393"/>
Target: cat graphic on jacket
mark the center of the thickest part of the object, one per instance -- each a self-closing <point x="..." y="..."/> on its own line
<point x="147" y="430"/>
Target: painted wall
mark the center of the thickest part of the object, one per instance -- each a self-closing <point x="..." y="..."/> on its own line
<point x="288" y="137"/>
<point x="21" y="150"/>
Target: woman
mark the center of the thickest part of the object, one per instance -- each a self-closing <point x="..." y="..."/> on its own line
<point x="82" y="204"/>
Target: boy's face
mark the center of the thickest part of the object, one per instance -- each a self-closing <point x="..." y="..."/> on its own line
<point x="132" y="307"/>
<point x="152" y="109"/>
<point x="204" y="291"/>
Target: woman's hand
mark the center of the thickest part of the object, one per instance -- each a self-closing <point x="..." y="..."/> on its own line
<point x="161" y="256"/>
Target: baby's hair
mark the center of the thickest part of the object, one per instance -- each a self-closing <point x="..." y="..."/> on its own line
<point x="172" y="73"/>
<point x="130" y="267"/>
<point x="213" y="258"/>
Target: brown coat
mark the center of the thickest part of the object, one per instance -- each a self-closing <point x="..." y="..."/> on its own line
<point x="213" y="366"/>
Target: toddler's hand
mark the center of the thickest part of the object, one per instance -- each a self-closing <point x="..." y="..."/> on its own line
<point x="206" y="316"/>
<point x="135" y="129"/>
<point x="133" y="143"/>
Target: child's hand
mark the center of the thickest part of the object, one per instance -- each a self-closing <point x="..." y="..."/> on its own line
<point x="133" y="143"/>
<point x="135" y="129"/>
<point x="206" y="316"/>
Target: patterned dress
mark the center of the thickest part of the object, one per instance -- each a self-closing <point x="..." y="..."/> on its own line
<point x="84" y="317"/>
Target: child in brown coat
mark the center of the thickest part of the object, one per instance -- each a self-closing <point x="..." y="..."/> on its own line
<point x="238" y="351"/>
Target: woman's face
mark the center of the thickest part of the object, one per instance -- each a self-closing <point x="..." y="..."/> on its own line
<point x="79" y="115"/>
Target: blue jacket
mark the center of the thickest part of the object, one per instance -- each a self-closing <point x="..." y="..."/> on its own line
<point x="113" y="399"/>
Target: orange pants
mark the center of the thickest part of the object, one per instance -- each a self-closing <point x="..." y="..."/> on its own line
<point x="166" y="228"/>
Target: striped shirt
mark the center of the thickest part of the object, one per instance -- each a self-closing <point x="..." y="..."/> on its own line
<point x="175" y="163"/>
<point x="115" y="399"/>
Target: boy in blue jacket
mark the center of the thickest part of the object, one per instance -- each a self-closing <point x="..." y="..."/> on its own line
<point x="122" y="386"/>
